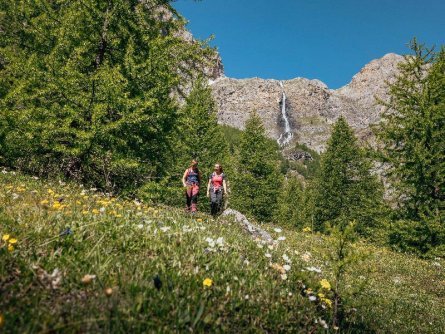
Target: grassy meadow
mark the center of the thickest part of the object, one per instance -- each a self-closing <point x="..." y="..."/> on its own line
<point x="73" y="260"/>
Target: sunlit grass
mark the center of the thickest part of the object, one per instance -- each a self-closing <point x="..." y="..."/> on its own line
<point x="82" y="261"/>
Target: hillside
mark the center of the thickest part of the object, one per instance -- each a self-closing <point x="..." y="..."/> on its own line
<point x="84" y="262"/>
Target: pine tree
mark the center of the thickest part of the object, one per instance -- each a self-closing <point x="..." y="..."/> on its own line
<point x="87" y="87"/>
<point x="257" y="180"/>
<point x="200" y="135"/>
<point x="290" y="206"/>
<point x="345" y="190"/>
<point x="412" y="132"/>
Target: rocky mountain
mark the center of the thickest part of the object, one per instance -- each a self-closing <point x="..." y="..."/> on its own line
<point x="303" y="110"/>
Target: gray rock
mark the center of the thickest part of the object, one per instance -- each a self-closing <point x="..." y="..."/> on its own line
<point x="255" y="231"/>
<point x="311" y="106"/>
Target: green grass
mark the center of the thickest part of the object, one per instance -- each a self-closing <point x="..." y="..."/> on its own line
<point x="129" y="246"/>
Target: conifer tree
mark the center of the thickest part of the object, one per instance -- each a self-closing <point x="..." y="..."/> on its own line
<point x="200" y="135"/>
<point x="345" y="190"/>
<point x="290" y="207"/>
<point x="87" y="87"/>
<point x="412" y="132"/>
<point x="256" y="180"/>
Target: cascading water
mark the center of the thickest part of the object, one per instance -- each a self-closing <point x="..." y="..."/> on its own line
<point x="285" y="137"/>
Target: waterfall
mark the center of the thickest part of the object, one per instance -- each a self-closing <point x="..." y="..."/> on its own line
<point x="285" y="137"/>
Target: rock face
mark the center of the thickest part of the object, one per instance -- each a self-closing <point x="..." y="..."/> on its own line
<point x="311" y="107"/>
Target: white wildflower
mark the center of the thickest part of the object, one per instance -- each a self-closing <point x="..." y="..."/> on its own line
<point x="312" y="298"/>
<point x="286" y="258"/>
<point x="314" y="269"/>
<point x="102" y="209"/>
<point x="281" y="238"/>
<point x="278" y="230"/>
<point x="270" y="247"/>
<point x="141" y="226"/>
<point x="284" y="277"/>
<point x="268" y="255"/>
<point x="220" y="241"/>
<point x="165" y="228"/>
<point x="286" y="267"/>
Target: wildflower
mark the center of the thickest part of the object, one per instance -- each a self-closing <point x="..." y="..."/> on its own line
<point x="199" y="220"/>
<point x="307" y="229"/>
<point x="278" y="268"/>
<point x="281" y="238"/>
<point x="44" y="202"/>
<point x="284" y="277"/>
<point x="141" y="226"/>
<point x="321" y="295"/>
<point x="207" y="282"/>
<point x="165" y="228"/>
<point x="84" y="212"/>
<point x="108" y="292"/>
<point x="57" y="205"/>
<point x="12" y="241"/>
<point x="268" y="255"/>
<point x="312" y="298"/>
<point x="325" y="284"/>
<point x="220" y="241"/>
<point x="306" y="257"/>
<point x="314" y="269"/>
<point x="102" y="209"/>
<point x="5" y="237"/>
<point x="95" y="211"/>
<point x="278" y="230"/>
<point x="10" y="248"/>
<point x="327" y="301"/>
<point x="286" y="267"/>
<point x="286" y="258"/>
<point x="87" y="279"/>
<point x="78" y="202"/>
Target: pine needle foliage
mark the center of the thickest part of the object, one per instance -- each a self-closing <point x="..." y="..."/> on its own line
<point x="257" y="179"/>
<point x="345" y="190"/>
<point x="87" y="87"/>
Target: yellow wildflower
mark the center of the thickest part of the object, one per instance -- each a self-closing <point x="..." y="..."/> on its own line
<point x="327" y="301"/>
<point x="10" y="248"/>
<point x="6" y="237"/>
<point x="307" y="229"/>
<point x="325" y="284"/>
<point x="207" y="282"/>
<point x="118" y="216"/>
<point x="321" y="295"/>
<point x="50" y="191"/>
<point x="57" y="205"/>
<point x="95" y="211"/>
<point x="12" y="241"/>
<point x="44" y="202"/>
<point x="9" y="187"/>
<point x="84" y="212"/>
<point x="78" y="202"/>
<point x="199" y="220"/>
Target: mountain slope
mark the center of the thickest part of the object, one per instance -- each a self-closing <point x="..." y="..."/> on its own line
<point x="84" y="262"/>
<point x="310" y="105"/>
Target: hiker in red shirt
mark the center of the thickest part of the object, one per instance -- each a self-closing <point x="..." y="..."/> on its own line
<point x="191" y="180"/>
<point x="216" y="188"/>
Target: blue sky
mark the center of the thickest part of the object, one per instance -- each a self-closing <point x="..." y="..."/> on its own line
<point x="329" y="40"/>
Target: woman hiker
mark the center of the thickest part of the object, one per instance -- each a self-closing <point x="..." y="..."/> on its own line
<point x="191" y="180"/>
<point x="216" y="188"/>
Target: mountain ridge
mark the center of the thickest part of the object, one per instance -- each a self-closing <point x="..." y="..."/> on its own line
<point x="311" y="106"/>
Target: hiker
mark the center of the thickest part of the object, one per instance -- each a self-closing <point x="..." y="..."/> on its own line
<point x="191" y="180"/>
<point x="216" y="188"/>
